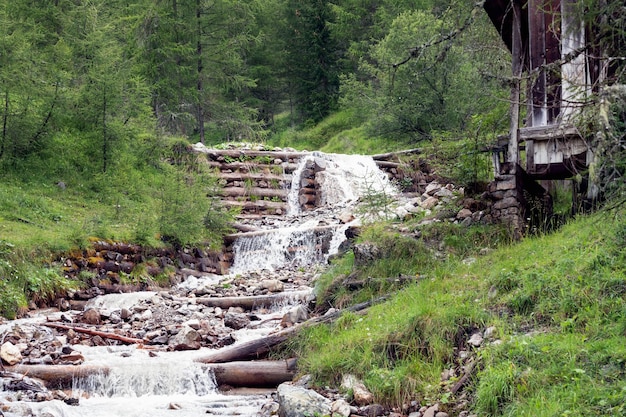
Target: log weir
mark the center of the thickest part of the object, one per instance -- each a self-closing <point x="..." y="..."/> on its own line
<point x="278" y="184"/>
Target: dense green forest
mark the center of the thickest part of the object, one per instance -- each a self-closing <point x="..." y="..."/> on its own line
<point x="97" y="76"/>
<point x="100" y="99"/>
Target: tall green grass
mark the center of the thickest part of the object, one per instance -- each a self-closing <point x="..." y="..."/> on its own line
<point x="558" y="303"/>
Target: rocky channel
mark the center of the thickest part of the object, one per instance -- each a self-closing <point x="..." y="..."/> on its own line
<point x="75" y="353"/>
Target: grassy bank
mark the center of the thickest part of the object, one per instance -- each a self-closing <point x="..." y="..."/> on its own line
<point x="557" y="303"/>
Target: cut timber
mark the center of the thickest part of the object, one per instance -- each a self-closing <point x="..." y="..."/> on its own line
<point x="393" y="155"/>
<point x="245" y="228"/>
<point x="255" y="301"/>
<point x="253" y="191"/>
<point x="247" y="166"/>
<point x="238" y="153"/>
<point x="254" y="374"/>
<point x="228" y="239"/>
<point x="58" y="376"/>
<point x="91" y="332"/>
<point x="254" y="176"/>
<point x="387" y="164"/>
<point x="258" y="348"/>
<point x="251" y="205"/>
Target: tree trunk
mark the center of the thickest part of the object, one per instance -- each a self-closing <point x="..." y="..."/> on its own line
<point x="252" y="302"/>
<point x="254" y="374"/>
<point x="58" y="376"/>
<point x="200" y="68"/>
<point x="5" y="119"/>
<point x="258" y="348"/>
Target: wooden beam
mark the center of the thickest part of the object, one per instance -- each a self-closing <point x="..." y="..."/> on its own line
<point x="516" y="42"/>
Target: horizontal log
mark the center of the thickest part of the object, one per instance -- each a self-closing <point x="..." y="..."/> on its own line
<point x="245" y="227"/>
<point x="387" y="164"/>
<point x="233" y="176"/>
<point x="251" y="205"/>
<point x="255" y="301"/>
<point x="253" y="191"/>
<point x="257" y="374"/>
<point x="234" y="236"/>
<point x="249" y="153"/>
<point x="307" y="191"/>
<point x="390" y="155"/>
<point x="248" y="166"/>
<point x="58" y="376"/>
<point x="236" y="374"/>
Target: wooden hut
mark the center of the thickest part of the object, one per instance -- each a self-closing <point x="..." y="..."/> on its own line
<point x="554" y="75"/>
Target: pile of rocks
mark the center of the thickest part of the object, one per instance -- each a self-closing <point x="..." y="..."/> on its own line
<point x="440" y="202"/>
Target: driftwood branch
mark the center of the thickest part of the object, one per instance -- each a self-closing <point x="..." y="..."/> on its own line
<point x="469" y="371"/>
<point x="91" y="332"/>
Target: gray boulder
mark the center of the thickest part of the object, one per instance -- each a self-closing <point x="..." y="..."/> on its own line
<point x="297" y="401"/>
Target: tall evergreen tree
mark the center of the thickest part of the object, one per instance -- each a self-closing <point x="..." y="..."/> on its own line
<point x="311" y="55"/>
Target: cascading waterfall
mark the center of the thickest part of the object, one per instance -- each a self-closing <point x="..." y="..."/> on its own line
<point x="344" y="180"/>
<point x="138" y="379"/>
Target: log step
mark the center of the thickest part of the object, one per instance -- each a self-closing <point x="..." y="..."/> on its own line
<point x="254" y="191"/>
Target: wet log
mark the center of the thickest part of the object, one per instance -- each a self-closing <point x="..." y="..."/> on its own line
<point x="245" y="227"/>
<point x="259" y="204"/>
<point x="237" y="153"/>
<point x="304" y="199"/>
<point x="257" y="374"/>
<point x="253" y="191"/>
<point x="232" y="237"/>
<point x="256" y="301"/>
<point x="58" y="376"/>
<point x="92" y="332"/>
<point x="259" y="348"/>
<point x="246" y="166"/>
<point x="387" y="164"/>
<point x="232" y="176"/>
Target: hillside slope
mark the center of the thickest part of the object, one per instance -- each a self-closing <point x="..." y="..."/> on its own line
<point x="550" y="313"/>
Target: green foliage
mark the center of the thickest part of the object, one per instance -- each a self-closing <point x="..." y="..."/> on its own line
<point x="557" y="301"/>
<point x="24" y="277"/>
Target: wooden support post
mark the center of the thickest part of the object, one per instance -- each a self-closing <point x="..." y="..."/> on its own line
<point x="516" y="43"/>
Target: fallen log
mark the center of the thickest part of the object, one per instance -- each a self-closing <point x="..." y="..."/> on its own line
<point x="58" y="376"/>
<point x="244" y="227"/>
<point x="92" y="332"/>
<point x="257" y="374"/>
<point x="254" y="301"/>
<point x="387" y="156"/>
<point x="258" y="348"/>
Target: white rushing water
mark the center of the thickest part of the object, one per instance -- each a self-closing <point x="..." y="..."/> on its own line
<point x="158" y="384"/>
<point x="311" y="239"/>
